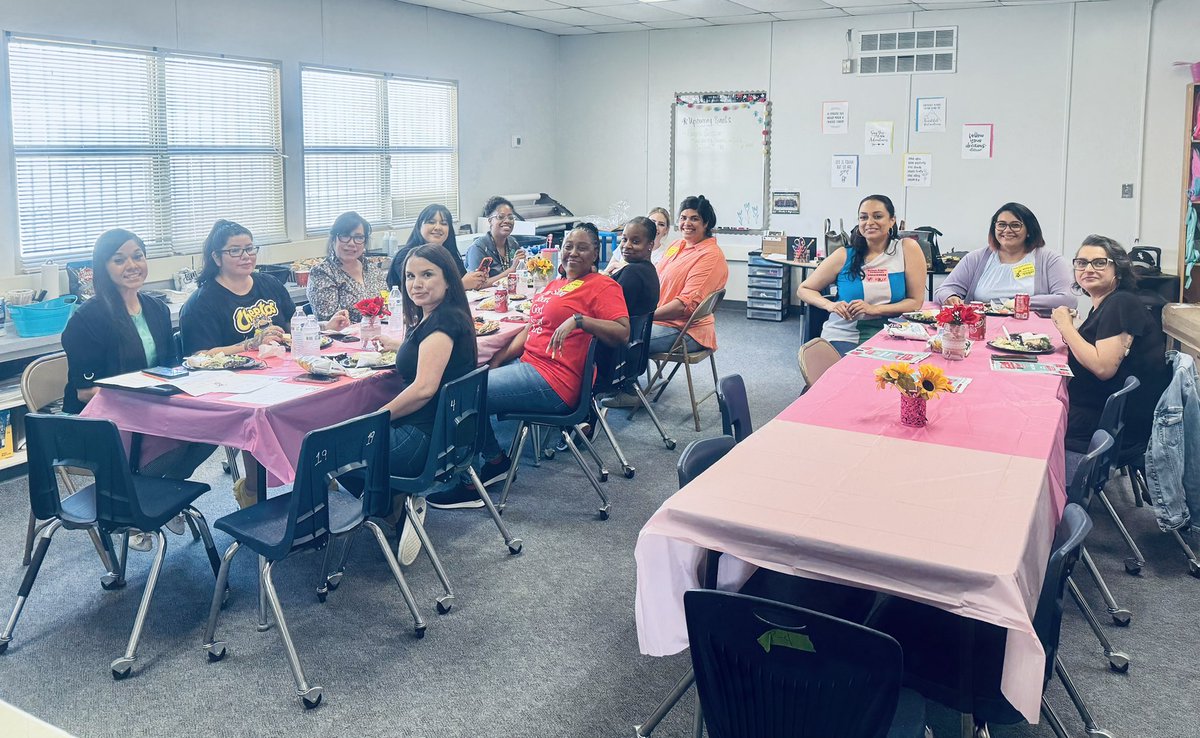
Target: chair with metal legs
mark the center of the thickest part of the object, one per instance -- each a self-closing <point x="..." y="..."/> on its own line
<point x="735" y="407"/>
<point x="116" y="501"/>
<point x="680" y="356"/>
<point x="568" y="425"/>
<point x="1112" y="420"/>
<point x="633" y="365"/>
<point x="299" y="521"/>
<point x="453" y="446"/>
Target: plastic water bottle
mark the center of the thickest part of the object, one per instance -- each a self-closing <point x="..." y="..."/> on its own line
<point x="395" y="326"/>
<point x="312" y="337"/>
<point x="296" y="328"/>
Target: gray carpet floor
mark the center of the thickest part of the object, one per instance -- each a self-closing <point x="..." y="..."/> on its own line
<point x="542" y="643"/>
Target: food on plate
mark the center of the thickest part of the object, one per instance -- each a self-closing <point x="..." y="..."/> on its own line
<point x="1035" y="342"/>
<point x="488" y="304"/>
<point x="476" y="295"/>
<point x="220" y="361"/>
<point x="370" y="359"/>
<point x="908" y="331"/>
<point x="326" y="341"/>
<point x="321" y="366"/>
<point x="486" y="327"/>
<point x="921" y="316"/>
<point x="524" y="306"/>
<point x="517" y="298"/>
<point x="999" y="307"/>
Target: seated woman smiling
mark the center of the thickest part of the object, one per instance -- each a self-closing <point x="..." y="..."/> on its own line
<point x="550" y="352"/>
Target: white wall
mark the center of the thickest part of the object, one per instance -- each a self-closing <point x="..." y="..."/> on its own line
<point x="1064" y="85"/>
<point x="506" y="76"/>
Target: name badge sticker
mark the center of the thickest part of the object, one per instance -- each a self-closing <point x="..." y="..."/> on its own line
<point x="1024" y="271"/>
<point x="875" y="275"/>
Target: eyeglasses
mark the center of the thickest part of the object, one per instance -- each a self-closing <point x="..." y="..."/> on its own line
<point x="240" y="252"/>
<point x="1097" y="264"/>
<point x="357" y="238"/>
<point x="1016" y="226"/>
<point x="510" y="218"/>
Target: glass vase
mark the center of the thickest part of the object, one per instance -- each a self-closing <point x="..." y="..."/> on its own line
<point x="954" y="342"/>
<point x="369" y="329"/>
<point x="912" y="410"/>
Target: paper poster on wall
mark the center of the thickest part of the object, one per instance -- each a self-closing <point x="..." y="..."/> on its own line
<point x="931" y="115"/>
<point x="835" y="117"/>
<point x="977" y="140"/>
<point x="879" y="137"/>
<point x="918" y="170"/>
<point x="844" y="172"/>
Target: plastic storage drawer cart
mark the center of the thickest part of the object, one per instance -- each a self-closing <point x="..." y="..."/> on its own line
<point x="768" y="288"/>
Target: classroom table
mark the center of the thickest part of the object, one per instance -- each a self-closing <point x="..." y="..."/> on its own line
<point x="959" y="515"/>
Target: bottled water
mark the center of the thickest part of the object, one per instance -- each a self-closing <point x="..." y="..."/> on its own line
<point x="296" y="328"/>
<point x="395" y="326"/>
<point x="312" y="337"/>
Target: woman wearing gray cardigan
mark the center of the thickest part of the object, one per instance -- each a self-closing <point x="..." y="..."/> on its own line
<point x="1015" y="261"/>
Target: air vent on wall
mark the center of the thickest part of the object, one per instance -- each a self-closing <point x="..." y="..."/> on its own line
<point x="908" y="51"/>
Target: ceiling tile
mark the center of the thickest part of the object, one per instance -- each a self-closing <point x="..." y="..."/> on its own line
<point x="457" y="6"/>
<point x="865" y="3"/>
<point x="704" y="8"/>
<point x="637" y="12"/>
<point x="958" y="4"/>
<point x="573" y="17"/>
<point x="729" y="20"/>
<point x="793" y="15"/>
<point x="521" y="4"/>
<point x="771" y="6"/>
<point x="882" y="9"/>
<point x="524" y="21"/>
<point x="619" y="28"/>
<point x="684" y="23"/>
<point x="575" y="31"/>
<point x="596" y="3"/>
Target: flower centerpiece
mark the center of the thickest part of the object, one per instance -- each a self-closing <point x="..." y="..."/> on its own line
<point x="371" y="308"/>
<point x="955" y="320"/>
<point x="916" y="385"/>
<point x="540" y="268"/>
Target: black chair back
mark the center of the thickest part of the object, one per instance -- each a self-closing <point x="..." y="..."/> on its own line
<point x="1112" y="420"/>
<point x="356" y="448"/>
<point x="87" y="443"/>
<point x="771" y="670"/>
<point x="1068" y="541"/>
<point x="701" y="454"/>
<point x="735" y="407"/>
<point x="637" y="351"/>
<point x="1081" y="486"/>
<point x="457" y="428"/>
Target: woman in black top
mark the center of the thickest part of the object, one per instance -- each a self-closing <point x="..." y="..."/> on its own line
<point x="122" y="330"/>
<point x="435" y="225"/>
<point x="236" y="309"/>
<point x="639" y="281"/>
<point x="1118" y="339"/>
<point x="438" y="348"/>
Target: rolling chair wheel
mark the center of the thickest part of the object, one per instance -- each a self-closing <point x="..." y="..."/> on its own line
<point x="334" y="580"/>
<point x="110" y="582"/>
<point x="1118" y="662"/>
<point x="445" y="604"/>
<point x="1194" y="569"/>
<point x="225" y="466"/>
<point x="514" y="548"/>
<point x="628" y="471"/>
<point x="604" y="513"/>
<point x="548" y="453"/>
<point x="604" y="475"/>
<point x="1099" y="732"/>
<point x="122" y="668"/>
<point x="419" y="631"/>
<point x="1133" y="566"/>
<point x="1120" y="617"/>
<point x="322" y="594"/>
<point x="670" y="444"/>
<point x="3" y="646"/>
<point x="312" y="698"/>
<point x="216" y="652"/>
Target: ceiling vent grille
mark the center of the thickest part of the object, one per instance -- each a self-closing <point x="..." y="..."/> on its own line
<point x="908" y="51"/>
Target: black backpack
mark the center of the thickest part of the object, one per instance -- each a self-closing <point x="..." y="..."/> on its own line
<point x="927" y="237"/>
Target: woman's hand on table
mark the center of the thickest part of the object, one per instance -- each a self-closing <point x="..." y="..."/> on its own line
<point x="270" y="334"/>
<point x="474" y="280"/>
<point x="385" y="343"/>
<point x="338" y="321"/>
<point x="954" y="300"/>
<point x="560" y="335"/>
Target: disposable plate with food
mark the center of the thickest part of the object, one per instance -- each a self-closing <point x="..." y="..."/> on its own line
<point x="227" y="362"/>
<point x="921" y="316"/>
<point x="1024" y="343"/>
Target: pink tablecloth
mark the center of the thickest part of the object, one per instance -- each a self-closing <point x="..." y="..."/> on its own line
<point x="835" y="489"/>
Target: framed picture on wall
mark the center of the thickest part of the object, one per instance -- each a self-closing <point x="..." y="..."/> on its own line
<point x="785" y="203"/>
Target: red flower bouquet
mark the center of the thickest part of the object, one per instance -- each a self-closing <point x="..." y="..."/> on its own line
<point x="957" y="315"/>
<point x="372" y="307"/>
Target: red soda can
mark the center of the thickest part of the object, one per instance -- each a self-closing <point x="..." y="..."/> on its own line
<point x="512" y="283"/>
<point x="978" y="332"/>
<point x="1021" y="306"/>
<point x="501" y="299"/>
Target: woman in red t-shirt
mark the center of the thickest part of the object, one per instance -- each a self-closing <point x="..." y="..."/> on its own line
<point x="552" y="350"/>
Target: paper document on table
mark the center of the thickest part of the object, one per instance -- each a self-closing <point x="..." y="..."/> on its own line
<point x="132" y="380"/>
<point x="869" y="352"/>
<point x="958" y="384"/>
<point x="197" y="384"/>
<point x="1029" y="367"/>
<point x="273" y="394"/>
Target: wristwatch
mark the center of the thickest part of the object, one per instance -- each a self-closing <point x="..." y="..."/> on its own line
<point x="579" y="321"/>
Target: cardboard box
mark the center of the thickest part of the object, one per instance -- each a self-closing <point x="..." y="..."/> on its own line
<point x="774" y="242"/>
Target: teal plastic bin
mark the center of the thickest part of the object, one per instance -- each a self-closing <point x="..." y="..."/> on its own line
<point x="43" y="318"/>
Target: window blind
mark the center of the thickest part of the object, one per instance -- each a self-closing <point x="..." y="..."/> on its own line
<point x="381" y="145"/>
<point x="159" y="142"/>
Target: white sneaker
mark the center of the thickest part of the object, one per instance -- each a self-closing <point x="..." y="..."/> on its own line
<point x="410" y="544"/>
<point x="139" y="541"/>
<point x="176" y="524"/>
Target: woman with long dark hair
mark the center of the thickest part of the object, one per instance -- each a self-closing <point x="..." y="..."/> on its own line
<point x="1119" y="339"/>
<point x="345" y="276"/>
<point x="435" y="225"/>
<point x="879" y="275"/>
<point x="438" y="347"/>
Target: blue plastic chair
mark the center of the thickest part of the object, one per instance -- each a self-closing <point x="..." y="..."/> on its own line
<point x="772" y="670"/>
<point x="568" y="426"/>
<point x="735" y="407"/>
<point x="1112" y="419"/>
<point x="116" y="501"/>
<point x="299" y="521"/>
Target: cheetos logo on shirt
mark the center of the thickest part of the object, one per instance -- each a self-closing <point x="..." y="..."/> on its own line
<point x="246" y="319"/>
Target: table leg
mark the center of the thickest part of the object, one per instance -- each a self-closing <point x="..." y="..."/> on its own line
<point x="263" y="623"/>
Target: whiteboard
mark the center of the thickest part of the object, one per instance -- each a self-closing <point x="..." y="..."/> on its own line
<point x="720" y="148"/>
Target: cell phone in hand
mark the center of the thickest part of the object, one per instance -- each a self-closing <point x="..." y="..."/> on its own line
<point x="166" y="372"/>
<point x="485" y="264"/>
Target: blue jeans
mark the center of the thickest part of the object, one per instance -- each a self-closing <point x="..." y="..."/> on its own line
<point x="409" y="449"/>
<point x="843" y="347"/>
<point x="662" y="338"/>
<point x="178" y="463"/>
<point x="514" y="387"/>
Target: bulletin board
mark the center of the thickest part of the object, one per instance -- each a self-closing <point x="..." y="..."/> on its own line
<point x="720" y="148"/>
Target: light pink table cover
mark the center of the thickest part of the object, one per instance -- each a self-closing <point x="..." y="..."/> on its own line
<point x="836" y="489"/>
<point x="273" y="434"/>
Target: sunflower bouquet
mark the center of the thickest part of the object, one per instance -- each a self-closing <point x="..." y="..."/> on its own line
<point x="539" y="265"/>
<point x="925" y="381"/>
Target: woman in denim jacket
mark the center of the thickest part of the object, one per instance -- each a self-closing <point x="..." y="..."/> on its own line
<point x="1173" y="456"/>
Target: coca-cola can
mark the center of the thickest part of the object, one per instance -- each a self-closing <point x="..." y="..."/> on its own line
<point x="978" y="331"/>
<point x="1021" y="306"/>
<point x="512" y="283"/>
<point x="502" y="299"/>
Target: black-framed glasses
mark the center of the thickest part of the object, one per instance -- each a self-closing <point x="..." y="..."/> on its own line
<point x="240" y="251"/>
<point x="1097" y="264"/>
<point x="1014" y="226"/>
<point x="358" y="239"/>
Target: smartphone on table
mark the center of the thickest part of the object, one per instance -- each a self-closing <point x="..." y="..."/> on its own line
<point x="166" y="372"/>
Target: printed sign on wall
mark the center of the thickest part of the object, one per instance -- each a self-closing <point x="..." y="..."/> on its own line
<point x="977" y="139"/>
<point x="879" y="137"/>
<point x="931" y="115"/>
<point x="844" y="172"/>
<point x="835" y="117"/>
<point x="918" y="170"/>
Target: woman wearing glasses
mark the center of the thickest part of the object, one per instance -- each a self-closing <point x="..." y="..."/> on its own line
<point x="1013" y="262"/>
<point x="345" y="277"/>
<point x="494" y="252"/>
<point x="1119" y="339"/>
<point x="235" y="308"/>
